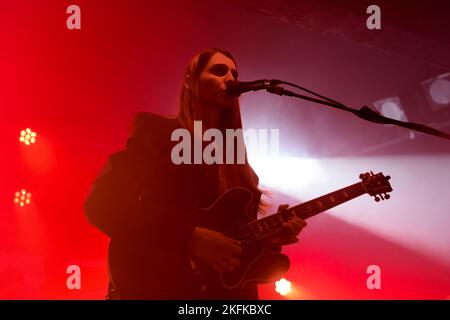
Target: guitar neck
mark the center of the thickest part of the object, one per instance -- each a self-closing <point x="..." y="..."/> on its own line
<point x="313" y="207"/>
<point x="262" y="228"/>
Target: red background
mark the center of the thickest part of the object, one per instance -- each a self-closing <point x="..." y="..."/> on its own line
<point x="78" y="89"/>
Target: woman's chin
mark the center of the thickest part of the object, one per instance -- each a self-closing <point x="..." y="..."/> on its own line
<point x="226" y="101"/>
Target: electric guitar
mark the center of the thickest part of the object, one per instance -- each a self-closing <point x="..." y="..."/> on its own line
<point x="258" y="264"/>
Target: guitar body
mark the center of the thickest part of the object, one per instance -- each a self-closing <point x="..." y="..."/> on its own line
<point x="258" y="264"/>
<point x="144" y="273"/>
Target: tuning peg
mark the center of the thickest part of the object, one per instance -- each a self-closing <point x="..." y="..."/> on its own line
<point x="371" y="173"/>
<point x="386" y="196"/>
<point x="381" y="196"/>
<point x="364" y="175"/>
<point x="377" y="199"/>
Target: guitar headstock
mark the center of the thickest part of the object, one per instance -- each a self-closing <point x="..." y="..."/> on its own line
<point x="377" y="185"/>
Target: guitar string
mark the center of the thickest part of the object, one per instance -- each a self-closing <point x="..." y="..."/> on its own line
<point x="246" y="231"/>
<point x="240" y="231"/>
<point x="247" y="234"/>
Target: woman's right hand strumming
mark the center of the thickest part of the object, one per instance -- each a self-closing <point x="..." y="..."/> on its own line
<point x="216" y="249"/>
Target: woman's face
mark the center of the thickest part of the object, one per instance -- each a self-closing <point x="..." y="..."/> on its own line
<point x="213" y="81"/>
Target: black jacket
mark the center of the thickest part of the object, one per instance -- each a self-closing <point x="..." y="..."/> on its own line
<point x="144" y="203"/>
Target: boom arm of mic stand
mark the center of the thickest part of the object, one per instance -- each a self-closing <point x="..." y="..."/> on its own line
<point x="364" y="113"/>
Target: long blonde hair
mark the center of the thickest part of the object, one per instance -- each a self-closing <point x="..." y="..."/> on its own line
<point x="233" y="175"/>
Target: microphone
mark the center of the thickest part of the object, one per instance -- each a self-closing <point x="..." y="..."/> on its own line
<point x="236" y="88"/>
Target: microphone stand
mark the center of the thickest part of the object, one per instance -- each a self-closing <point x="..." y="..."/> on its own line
<point x="364" y="113"/>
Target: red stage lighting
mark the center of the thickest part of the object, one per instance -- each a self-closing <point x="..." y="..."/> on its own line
<point x="22" y="197"/>
<point x="27" y="136"/>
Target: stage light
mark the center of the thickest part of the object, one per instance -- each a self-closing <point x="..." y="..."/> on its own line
<point x="287" y="173"/>
<point x="22" y="197"/>
<point x="437" y="90"/>
<point x="283" y="286"/>
<point x="27" y="136"/>
<point x="392" y="108"/>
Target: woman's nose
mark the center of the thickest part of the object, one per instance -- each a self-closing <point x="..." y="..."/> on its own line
<point x="229" y="77"/>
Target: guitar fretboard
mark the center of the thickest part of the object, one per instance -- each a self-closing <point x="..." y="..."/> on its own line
<point x="262" y="228"/>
